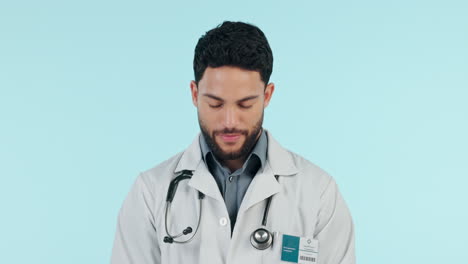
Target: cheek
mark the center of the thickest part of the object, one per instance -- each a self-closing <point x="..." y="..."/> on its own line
<point x="254" y="115"/>
<point x="208" y="116"/>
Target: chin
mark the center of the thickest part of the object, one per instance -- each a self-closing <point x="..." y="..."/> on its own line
<point x="229" y="149"/>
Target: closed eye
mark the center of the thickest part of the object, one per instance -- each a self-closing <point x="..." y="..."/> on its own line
<point x="245" y="106"/>
<point x="215" y="106"/>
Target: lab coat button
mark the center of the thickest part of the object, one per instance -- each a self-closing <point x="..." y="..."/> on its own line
<point x="223" y="221"/>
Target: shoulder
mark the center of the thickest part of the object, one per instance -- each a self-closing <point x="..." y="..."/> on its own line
<point x="157" y="178"/>
<point x="302" y="174"/>
<point x="310" y="174"/>
<point x="162" y="173"/>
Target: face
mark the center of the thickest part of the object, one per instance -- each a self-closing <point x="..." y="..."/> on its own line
<point x="230" y="103"/>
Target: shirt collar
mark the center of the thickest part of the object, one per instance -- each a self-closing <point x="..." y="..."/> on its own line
<point x="281" y="160"/>
<point x="260" y="149"/>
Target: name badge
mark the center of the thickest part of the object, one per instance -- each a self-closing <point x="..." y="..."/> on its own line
<point x="301" y="250"/>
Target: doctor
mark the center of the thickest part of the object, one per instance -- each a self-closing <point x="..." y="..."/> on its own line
<point x="241" y="197"/>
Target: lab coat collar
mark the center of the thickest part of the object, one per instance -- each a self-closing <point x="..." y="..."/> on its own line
<point x="280" y="159"/>
<point x="279" y="162"/>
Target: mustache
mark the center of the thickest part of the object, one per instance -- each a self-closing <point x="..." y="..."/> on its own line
<point x="230" y="131"/>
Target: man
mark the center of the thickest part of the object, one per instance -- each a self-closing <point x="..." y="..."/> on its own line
<point x="245" y="199"/>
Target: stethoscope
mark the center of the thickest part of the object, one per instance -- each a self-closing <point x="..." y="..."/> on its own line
<point x="260" y="239"/>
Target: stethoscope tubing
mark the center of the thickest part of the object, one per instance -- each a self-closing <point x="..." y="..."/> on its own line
<point x="170" y="196"/>
<point x="168" y="204"/>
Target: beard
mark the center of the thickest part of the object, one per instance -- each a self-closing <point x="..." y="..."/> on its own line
<point x="245" y="149"/>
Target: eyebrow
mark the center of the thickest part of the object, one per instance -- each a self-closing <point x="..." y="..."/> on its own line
<point x="238" y="101"/>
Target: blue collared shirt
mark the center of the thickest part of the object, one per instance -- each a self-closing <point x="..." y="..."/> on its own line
<point x="234" y="185"/>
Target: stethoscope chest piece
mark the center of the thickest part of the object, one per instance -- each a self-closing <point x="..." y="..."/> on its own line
<point x="261" y="239"/>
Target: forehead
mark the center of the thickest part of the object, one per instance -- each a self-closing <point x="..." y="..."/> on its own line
<point x="229" y="81"/>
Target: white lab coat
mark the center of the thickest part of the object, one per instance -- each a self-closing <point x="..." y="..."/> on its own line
<point x="306" y="202"/>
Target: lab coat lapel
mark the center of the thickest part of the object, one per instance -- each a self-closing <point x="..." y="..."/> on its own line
<point x="280" y="159"/>
<point x="202" y="179"/>
<point x="279" y="162"/>
<point x="264" y="184"/>
<point x="190" y="158"/>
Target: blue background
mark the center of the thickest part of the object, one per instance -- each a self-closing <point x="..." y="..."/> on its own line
<point x="93" y="92"/>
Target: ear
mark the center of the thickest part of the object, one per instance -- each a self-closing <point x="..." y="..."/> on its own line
<point x="269" y="89"/>
<point x="194" y="92"/>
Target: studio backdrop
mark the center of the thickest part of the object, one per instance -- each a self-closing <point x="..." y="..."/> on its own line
<point x="94" y="92"/>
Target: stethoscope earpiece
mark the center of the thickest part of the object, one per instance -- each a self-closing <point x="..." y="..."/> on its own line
<point x="169" y="240"/>
<point x="261" y="239"/>
<point x="187" y="230"/>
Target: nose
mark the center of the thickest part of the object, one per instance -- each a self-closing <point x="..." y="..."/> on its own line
<point x="230" y="117"/>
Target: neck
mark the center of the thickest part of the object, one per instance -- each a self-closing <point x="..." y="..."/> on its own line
<point x="234" y="165"/>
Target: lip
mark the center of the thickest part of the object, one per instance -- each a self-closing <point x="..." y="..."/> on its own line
<point x="230" y="137"/>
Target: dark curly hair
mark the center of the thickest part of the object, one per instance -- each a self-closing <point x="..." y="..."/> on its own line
<point x="234" y="44"/>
